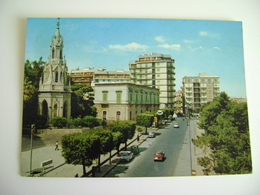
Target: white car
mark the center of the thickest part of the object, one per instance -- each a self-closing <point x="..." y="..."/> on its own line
<point x="176" y="125"/>
<point x="151" y="134"/>
<point x="126" y="156"/>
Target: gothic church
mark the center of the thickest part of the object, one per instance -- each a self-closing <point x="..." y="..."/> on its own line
<point x="54" y="95"/>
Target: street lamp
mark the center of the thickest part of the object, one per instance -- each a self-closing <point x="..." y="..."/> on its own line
<point x="32" y="133"/>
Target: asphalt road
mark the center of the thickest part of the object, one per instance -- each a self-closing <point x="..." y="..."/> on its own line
<point x="170" y="140"/>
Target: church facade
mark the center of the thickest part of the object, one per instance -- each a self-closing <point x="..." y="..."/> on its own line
<point x="54" y="95"/>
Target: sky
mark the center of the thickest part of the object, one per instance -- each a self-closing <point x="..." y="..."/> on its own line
<point x="198" y="46"/>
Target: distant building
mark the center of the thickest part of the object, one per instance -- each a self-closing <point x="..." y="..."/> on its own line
<point x="155" y="71"/>
<point x="104" y="76"/>
<point x="90" y="76"/>
<point x="198" y="90"/>
<point x="239" y="99"/>
<point x="82" y="76"/>
<point x="178" y="105"/>
<point x="123" y="101"/>
<point x="54" y="95"/>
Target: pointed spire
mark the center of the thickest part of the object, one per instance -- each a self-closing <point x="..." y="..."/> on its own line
<point x="57" y="34"/>
<point x="58" y="24"/>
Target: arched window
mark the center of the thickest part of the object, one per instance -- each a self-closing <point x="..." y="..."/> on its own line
<point x="52" y="53"/>
<point x="104" y="115"/>
<point x="118" y="115"/>
<point x="56" y="76"/>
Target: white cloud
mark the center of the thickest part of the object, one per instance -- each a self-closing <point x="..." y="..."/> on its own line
<point x="167" y="46"/>
<point x="129" y="46"/>
<point x="216" y="48"/>
<point x="188" y="41"/>
<point x="208" y="34"/>
<point x="201" y="47"/>
<point x="159" y="38"/>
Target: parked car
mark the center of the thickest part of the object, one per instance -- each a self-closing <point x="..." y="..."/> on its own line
<point x="151" y="134"/>
<point x="159" y="155"/>
<point x="176" y="125"/>
<point x="126" y="156"/>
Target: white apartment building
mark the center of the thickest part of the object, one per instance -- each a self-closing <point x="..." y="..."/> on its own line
<point x="155" y="71"/>
<point x="123" y="101"/>
<point x="198" y="90"/>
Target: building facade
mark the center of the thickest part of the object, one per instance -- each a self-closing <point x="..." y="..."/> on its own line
<point x="54" y="95"/>
<point x="198" y="90"/>
<point x="178" y="106"/>
<point x="155" y="71"/>
<point x="90" y="76"/>
<point x="123" y="101"/>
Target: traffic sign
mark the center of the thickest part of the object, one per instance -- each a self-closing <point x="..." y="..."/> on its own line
<point x="160" y="112"/>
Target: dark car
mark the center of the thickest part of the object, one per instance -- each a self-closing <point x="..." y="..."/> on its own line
<point x="159" y="155"/>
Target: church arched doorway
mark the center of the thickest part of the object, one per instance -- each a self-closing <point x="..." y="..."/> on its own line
<point x="55" y="110"/>
<point x="44" y="108"/>
<point x="65" y="109"/>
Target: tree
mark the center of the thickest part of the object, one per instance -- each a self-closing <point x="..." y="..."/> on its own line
<point x="81" y="107"/>
<point x="227" y="134"/>
<point x="80" y="149"/>
<point x="145" y="120"/>
<point x="32" y="73"/>
<point x="105" y="142"/>
<point x="126" y="128"/>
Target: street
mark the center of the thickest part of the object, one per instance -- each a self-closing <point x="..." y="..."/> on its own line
<point x="172" y="141"/>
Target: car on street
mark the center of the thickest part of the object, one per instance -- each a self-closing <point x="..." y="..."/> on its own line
<point x="159" y="155"/>
<point x="176" y="125"/>
<point x="126" y="156"/>
<point x="151" y="134"/>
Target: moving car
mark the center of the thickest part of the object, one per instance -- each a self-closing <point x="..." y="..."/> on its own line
<point x="176" y="125"/>
<point x="126" y="156"/>
<point x="151" y="134"/>
<point x="159" y="155"/>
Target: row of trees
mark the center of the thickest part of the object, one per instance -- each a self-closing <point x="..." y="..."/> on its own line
<point x="83" y="148"/>
<point x="227" y="134"/>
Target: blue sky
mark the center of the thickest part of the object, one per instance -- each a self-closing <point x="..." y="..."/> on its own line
<point x="214" y="47"/>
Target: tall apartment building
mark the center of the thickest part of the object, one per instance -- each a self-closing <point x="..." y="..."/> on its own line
<point x="156" y="71"/>
<point x="199" y="90"/>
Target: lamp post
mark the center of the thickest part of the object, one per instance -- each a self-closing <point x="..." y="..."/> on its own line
<point x="32" y="133"/>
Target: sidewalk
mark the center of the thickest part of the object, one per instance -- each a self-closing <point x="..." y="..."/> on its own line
<point x="59" y="168"/>
<point x="199" y="152"/>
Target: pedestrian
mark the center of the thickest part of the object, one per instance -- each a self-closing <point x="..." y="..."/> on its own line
<point x="57" y="145"/>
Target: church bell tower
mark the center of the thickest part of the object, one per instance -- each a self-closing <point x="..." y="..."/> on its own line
<point x="54" y="89"/>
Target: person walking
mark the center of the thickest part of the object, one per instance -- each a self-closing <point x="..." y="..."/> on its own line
<point x="57" y="145"/>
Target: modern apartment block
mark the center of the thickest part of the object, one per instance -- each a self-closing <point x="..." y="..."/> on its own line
<point x="155" y="71"/>
<point x="123" y="101"/>
<point x="198" y="90"/>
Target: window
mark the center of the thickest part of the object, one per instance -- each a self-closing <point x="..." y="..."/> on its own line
<point x="104" y="98"/>
<point x="118" y="97"/>
<point x="56" y="76"/>
<point x="118" y="115"/>
<point x="104" y="115"/>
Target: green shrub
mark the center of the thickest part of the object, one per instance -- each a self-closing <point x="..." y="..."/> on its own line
<point x="59" y="122"/>
<point x="89" y="121"/>
<point x="77" y="122"/>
